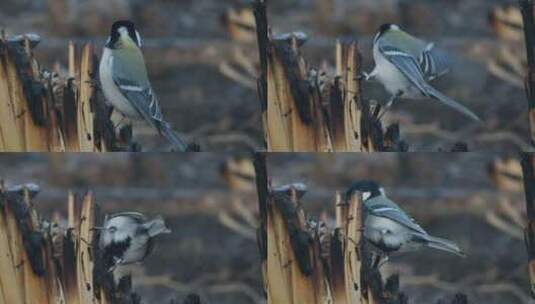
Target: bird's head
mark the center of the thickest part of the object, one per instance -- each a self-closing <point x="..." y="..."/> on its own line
<point x="368" y="188"/>
<point x="117" y="229"/>
<point x="384" y="29"/>
<point x="123" y="33"/>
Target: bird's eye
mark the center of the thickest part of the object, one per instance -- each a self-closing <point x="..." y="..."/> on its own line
<point x="112" y="229"/>
<point x="386" y="231"/>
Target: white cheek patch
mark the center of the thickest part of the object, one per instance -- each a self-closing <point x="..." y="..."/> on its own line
<point x="366" y="195"/>
<point x="123" y="31"/>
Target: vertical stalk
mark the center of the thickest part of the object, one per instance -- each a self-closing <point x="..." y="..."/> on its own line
<point x="259" y="9"/>
<point x="529" y="35"/>
<point x="528" y="169"/>
<point x="29" y="103"/>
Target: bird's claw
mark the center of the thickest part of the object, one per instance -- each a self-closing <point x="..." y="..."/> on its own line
<point x="363" y="76"/>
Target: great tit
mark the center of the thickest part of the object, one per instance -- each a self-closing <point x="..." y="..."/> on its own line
<point x="388" y="228"/>
<point x="128" y="237"/>
<point x="125" y="82"/>
<point x="405" y="64"/>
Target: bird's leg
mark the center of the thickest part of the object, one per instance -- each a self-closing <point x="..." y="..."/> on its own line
<point x="379" y="260"/>
<point x="376" y="259"/>
<point x="390" y="102"/>
<point x="122" y="128"/>
<point x="382" y="261"/>
<point x="119" y="124"/>
<point x="116" y="262"/>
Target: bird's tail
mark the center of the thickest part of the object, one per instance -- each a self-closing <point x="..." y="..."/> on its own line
<point x="444" y="245"/>
<point x="165" y="129"/>
<point x="156" y="226"/>
<point x="451" y="103"/>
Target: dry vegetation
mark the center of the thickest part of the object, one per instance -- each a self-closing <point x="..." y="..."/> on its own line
<point x="56" y="111"/>
<point x="449" y="195"/>
<point x="528" y="169"/>
<point x="485" y="75"/>
<point x="43" y="111"/>
<point x="43" y="262"/>
<point x="305" y="109"/>
<point x="312" y="262"/>
<point x="211" y="250"/>
<point x="187" y="52"/>
<point x="205" y="71"/>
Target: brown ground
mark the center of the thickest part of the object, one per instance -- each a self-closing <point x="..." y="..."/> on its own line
<point x="450" y="196"/>
<point x="185" y="45"/>
<point x="201" y="255"/>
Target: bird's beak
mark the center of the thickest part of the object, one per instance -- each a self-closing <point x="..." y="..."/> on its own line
<point x="98" y="228"/>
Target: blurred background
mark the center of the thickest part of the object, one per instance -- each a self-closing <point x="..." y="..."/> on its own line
<point x="202" y="59"/>
<point x="212" y="249"/>
<point x="467" y="198"/>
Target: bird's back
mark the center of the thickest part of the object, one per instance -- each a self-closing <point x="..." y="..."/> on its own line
<point x="382" y="206"/>
<point x="411" y="45"/>
<point x="134" y="69"/>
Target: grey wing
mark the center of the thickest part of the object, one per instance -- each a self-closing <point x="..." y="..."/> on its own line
<point x="409" y="66"/>
<point x="388" y="209"/>
<point x="406" y="63"/>
<point x="433" y="62"/>
<point x="142" y="99"/>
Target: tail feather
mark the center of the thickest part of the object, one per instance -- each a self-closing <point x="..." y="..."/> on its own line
<point x="172" y="137"/>
<point x="451" y="103"/>
<point x="156" y="226"/>
<point x="444" y="245"/>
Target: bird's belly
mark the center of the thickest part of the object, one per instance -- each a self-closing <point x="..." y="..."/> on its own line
<point x="111" y="92"/>
<point x="398" y="240"/>
<point x="137" y="250"/>
<point x="392" y="79"/>
<point x="412" y="92"/>
<point x="134" y="255"/>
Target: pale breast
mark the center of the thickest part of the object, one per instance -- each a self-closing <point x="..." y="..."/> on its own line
<point x="110" y="90"/>
<point x="392" y="78"/>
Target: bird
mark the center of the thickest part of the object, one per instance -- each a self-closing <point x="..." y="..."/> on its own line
<point x="128" y="237"/>
<point x="389" y="229"/>
<point x="405" y="65"/>
<point x="125" y="83"/>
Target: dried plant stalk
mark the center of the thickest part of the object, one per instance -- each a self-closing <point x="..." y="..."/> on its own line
<point x="308" y="110"/>
<point x="295" y="119"/>
<point x="276" y="127"/>
<point x="347" y="68"/>
<point x="35" y="271"/>
<point x="11" y="277"/>
<point x="27" y="272"/>
<point x="29" y="104"/>
<point x="352" y="253"/>
<point x="10" y="89"/>
<point x="86" y="118"/>
<point x="294" y="273"/>
<point x="84" y="257"/>
<point x="298" y="270"/>
<point x="528" y="170"/>
<point x="305" y="262"/>
<point x="529" y="36"/>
